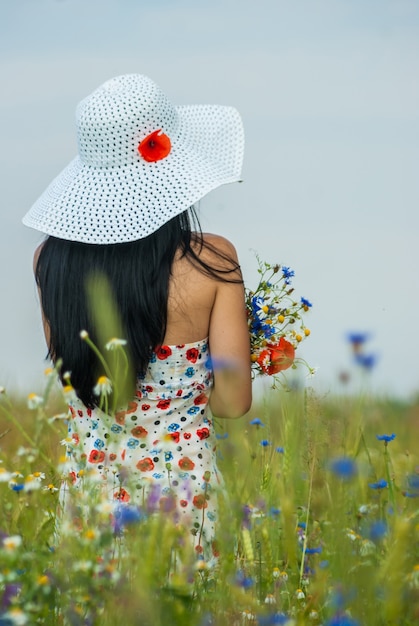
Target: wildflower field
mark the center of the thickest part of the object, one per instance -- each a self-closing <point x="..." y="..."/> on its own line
<point x="319" y="524"/>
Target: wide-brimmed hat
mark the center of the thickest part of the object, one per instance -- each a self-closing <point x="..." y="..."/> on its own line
<point x="141" y="162"/>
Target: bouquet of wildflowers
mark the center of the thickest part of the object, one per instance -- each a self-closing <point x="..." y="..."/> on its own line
<point x="275" y="320"/>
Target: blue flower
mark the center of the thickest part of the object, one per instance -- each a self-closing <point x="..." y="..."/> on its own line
<point x="366" y="361"/>
<point x="257" y="422"/>
<point x="99" y="444"/>
<point x="243" y="581"/>
<point x="386" y="438"/>
<point x="190" y="372"/>
<point x="172" y="428"/>
<point x="344" y="467"/>
<point x="380" y="484"/>
<point x="314" y="550"/>
<point x="378" y="530"/>
<point x="132" y="443"/>
<point x="357" y="339"/>
<point x="17" y="487"/>
<point x="126" y="515"/>
<point x="265" y="443"/>
<point x="306" y="303"/>
<point x="280" y="450"/>
<point x="287" y="273"/>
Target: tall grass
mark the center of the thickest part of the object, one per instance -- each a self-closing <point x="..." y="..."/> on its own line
<point x="319" y="524"/>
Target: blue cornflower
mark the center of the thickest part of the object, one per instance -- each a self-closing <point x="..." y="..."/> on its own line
<point x="280" y="450"/>
<point x="357" y="339"/>
<point x="413" y="481"/>
<point x="306" y="303"/>
<point x="380" y="484"/>
<point x="386" y="438"/>
<point x="125" y="515"/>
<point x="378" y="530"/>
<point x="243" y="581"/>
<point x="265" y="443"/>
<point x="287" y="273"/>
<point x="274" y="511"/>
<point x="344" y="467"/>
<point x="314" y="550"/>
<point x="301" y="525"/>
<point x="366" y="361"/>
<point x="256" y="422"/>
<point x="17" y="487"/>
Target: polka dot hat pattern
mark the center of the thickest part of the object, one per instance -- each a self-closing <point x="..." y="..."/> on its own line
<point x="109" y="193"/>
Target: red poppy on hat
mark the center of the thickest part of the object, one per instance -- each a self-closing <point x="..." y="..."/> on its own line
<point x="155" y="147"/>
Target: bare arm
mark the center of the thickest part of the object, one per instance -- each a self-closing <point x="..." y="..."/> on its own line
<point x="231" y="396"/>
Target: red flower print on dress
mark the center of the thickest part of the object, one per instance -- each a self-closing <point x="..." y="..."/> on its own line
<point x="148" y="388"/>
<point x="183" y="503"/>
<point x="163" y="353"/>
<point x="145" y="407"/>
<point x="200" y="501"/>
<point x="72" y="411"/>
<point x="139" y="431"/>
<point x="122" y="495"/>
<point x="96" y="456"/>
<point x="187" y="435"/>
<point x="155" y="147"/>
<point x="179" y="392"/>
<point x="186" y="463"/>
<point x="163" y="404"/>
<point x="203" y="433"/>
<point x="89" y="412"/>
<point x="145" y="465"/>
<point x="201" y="399"/>
<point x="80" y="413"/>
<point x="132" y="407"/>
<point x="120" y="417"/>
<point x="192" y="354"/>
<point x="112" y="456"/>
<point x="276" y="357"/>
<point x="174" y="436"/>
<point x="75" y="438"/>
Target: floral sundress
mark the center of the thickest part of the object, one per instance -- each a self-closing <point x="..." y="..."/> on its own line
<point x="161" y="450"/>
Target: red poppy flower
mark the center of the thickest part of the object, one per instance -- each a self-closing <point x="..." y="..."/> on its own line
<point x="163" y="352"/>
<point x="186" y="463"/>
<point x="200" y="501"/>
<point x="155" y="147"/>
<point x="96" y="456"/>
<point x="203" y="433"/>
<point x="122" y="495"/>
<point x="277" y="357"/>
<point x="139" y="432"/>
<point x="163" y="404"/>
<point x="145" y="465"/>
<point x="201" y="399"/>
<point x="192" y="354"/>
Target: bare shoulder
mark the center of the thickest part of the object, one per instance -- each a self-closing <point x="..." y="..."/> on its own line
<point x="220" y="244"/>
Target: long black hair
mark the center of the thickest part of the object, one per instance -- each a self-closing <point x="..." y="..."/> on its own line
<point x="138" y="275"/>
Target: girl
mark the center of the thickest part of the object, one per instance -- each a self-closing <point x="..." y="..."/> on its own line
<point x="123" y="210"/>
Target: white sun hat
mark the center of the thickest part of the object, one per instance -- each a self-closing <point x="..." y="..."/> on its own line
<point x="141" y="162"/>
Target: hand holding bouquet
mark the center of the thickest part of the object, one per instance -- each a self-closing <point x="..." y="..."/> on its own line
<point x="275" y="320"/>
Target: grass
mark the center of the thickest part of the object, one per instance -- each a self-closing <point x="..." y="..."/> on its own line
<point x="319" y="525"/>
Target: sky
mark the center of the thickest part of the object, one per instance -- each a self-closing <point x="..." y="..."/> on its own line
<point x="329" y="95"/>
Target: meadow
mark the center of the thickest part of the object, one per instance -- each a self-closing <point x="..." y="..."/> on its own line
<point x="319" y="523"/>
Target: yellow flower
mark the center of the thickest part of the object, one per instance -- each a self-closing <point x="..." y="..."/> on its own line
<point x="253" y="358"/>
<point x="265" y="308"/>
<point x="298" y="338"/>
<point x="307" y="331"/>
<point x="43" y="580"/>
<point x="281" y="318"/>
